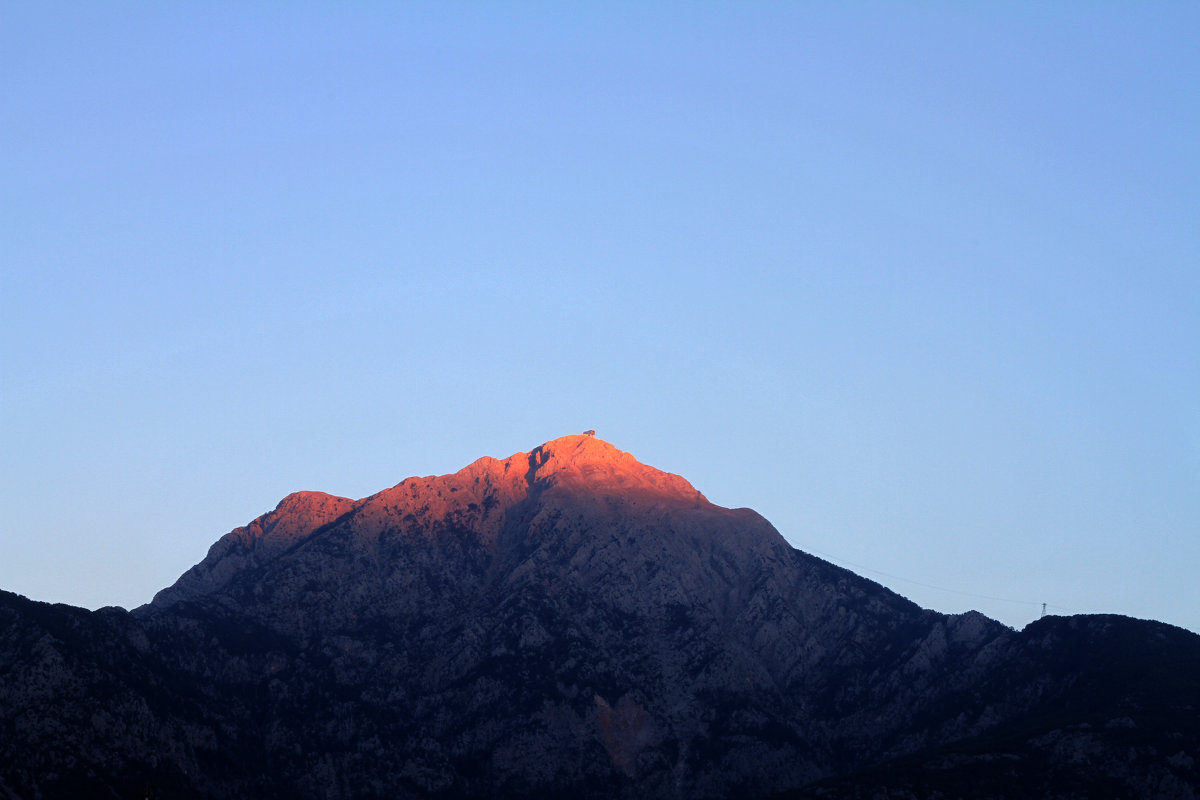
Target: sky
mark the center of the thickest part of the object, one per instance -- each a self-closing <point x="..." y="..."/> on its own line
<point x="919" y="282"/>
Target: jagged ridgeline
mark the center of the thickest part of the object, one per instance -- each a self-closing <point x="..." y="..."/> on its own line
<point x="569" y="622"/>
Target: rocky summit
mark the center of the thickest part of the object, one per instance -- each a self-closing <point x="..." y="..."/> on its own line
<point x="569" y="622"/>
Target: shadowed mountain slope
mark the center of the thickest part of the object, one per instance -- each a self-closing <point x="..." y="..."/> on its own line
<point x="570" y="622"/>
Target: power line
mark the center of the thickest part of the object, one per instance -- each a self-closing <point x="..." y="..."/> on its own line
<point x="938" y="588"/>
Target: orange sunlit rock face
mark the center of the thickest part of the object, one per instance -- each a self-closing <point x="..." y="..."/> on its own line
<point x="294" y="519"/>
<point x="296" y="516"/>
<point x="587" y="461"/>
<point x="559" y="468"/>
<point x="573" y="484"/>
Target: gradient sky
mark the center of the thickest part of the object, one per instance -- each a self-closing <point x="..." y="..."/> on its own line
<point x="918" y="282"/>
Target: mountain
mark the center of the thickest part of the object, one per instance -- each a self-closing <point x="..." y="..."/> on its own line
<point x="569" y="622"/>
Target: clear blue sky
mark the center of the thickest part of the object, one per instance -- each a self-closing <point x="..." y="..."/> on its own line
<point x="920" y="282"/>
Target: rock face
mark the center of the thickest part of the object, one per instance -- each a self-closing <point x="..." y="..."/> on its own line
<point x="571" y="622"/>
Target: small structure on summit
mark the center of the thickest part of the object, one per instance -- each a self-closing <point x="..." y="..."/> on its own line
<point x="589" y="433"/>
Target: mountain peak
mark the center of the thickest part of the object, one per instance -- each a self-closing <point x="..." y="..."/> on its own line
<point x="581" y="451"/>
<point x="584" y="461"/>
<point x="579" y="463"/>
<point x="577" y="470"/>
<point x="295" y="517"/>
<point x="584" y="447"/>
